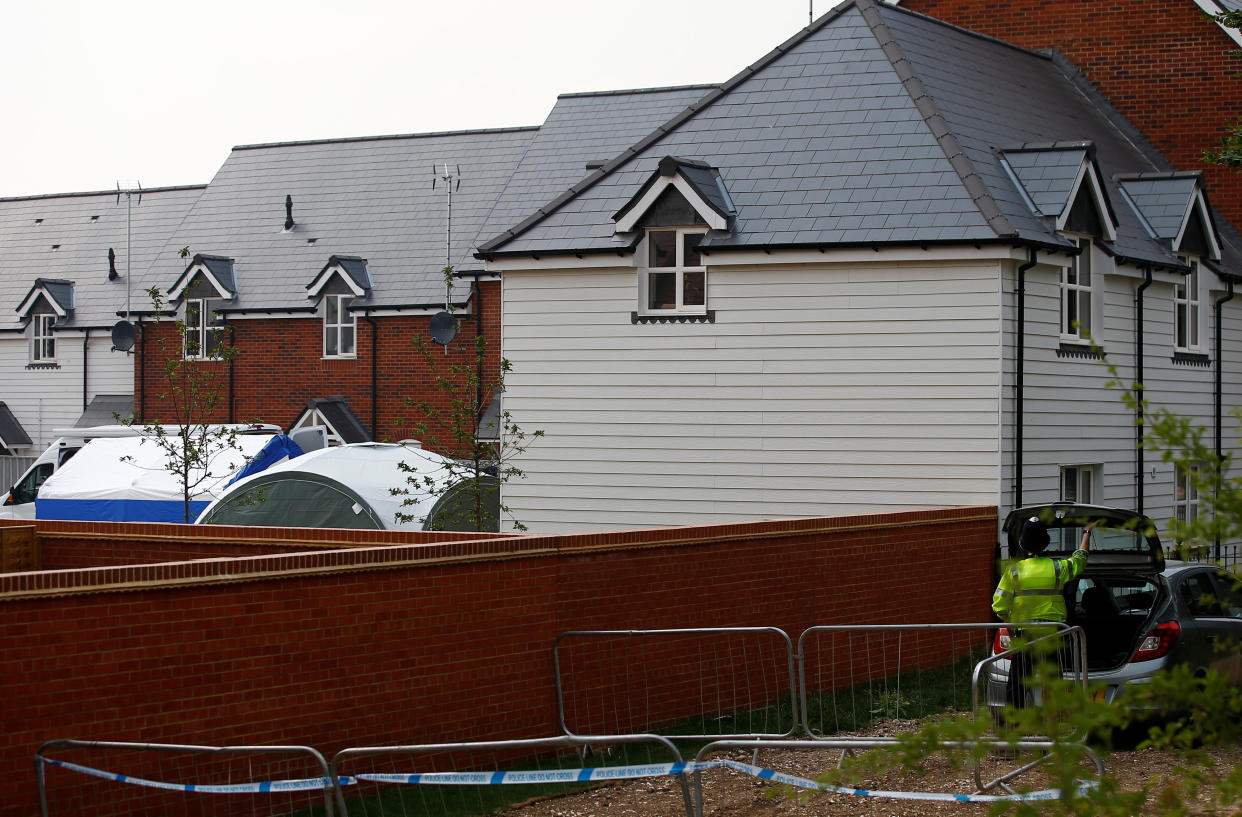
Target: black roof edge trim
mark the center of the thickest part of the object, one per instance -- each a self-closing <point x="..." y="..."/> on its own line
<point x="145" y="313"/>
<point x="627" y="91"/>
<point x="368" y="308"/>
<point x="1047" y="246"/>
<point x="384" y="138"/>
<point x="267" y="310"/>
<point x="145" y="190"/>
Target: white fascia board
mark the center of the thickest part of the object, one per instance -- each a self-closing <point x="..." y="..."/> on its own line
<point x="258" y="316"/>
<point x="759" y="258"/>
<point x="322" y="281"/>
<point x="188" y="276"/>
<point x="391" y="312"/>
<point x="630" y="220"/>
<point x="1086" y="173"/>
<point x="28" y="304"/>
<point x="608" y="260"/>
<point x="1196" y="202"/>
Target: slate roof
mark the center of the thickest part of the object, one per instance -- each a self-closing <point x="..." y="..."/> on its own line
<point x="582" y="129"/>
<point x="82" y="227"/>
<point x="12" y="435"/>
<point x="369" y="197"/>
<point x="1047" y="176"/>
<point x="873" y="125"/>
<point x="1162" y="199"/>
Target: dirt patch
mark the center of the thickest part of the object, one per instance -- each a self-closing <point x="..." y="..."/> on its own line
<point x="730" y="793"/>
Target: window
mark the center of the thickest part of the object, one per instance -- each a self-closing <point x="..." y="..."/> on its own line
<point x="203" y="327"/>
<point x="339" y="327"/>
<point x="1076" y="282"/>
<point x="1077" y="483"/>
<point x="1200" y="596"/>
<point x="1186" y="501"/>
<point x="43" y="339"/>
<point x="26" y="490"/>
<point x="1186" y="310"/>
<point x="674" y="279"/>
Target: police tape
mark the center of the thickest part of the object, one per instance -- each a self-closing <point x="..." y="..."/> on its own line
<point x="804" y="783"/>
<point x="306" y="784"/>
<point x="584" y="775"/>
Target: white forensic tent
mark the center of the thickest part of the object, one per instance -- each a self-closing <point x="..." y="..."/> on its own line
<point x="362" y="485"/>
<point x="126" y="479"/>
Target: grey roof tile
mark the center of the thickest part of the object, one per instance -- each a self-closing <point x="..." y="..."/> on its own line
<point x="84" y="226"/>
<point x="371" y="198"/>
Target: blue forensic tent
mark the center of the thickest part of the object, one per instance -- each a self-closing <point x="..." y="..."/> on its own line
<point x="127" y="480"/>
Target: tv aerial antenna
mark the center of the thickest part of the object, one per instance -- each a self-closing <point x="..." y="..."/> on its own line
<point x="123" y="330"/>
<point x="443" y="324"/>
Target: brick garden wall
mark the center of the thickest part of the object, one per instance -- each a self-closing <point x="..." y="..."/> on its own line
<point x="416" y="643"/>
<point x="280" y="366"/>
<point x="1162" y="63"/>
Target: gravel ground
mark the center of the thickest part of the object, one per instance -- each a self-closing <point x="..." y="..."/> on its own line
<point x="728" y="793"/>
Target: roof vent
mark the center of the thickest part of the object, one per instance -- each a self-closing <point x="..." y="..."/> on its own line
<point x="288" y="213"/>
<point x="596" y="164"/>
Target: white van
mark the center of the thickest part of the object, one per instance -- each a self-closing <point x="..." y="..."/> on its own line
<point x="20" y="502"/>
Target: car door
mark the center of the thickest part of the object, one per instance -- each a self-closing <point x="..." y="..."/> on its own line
<point x="1214" y="639"/>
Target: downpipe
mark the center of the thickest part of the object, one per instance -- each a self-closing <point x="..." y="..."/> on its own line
<point x="1020" y="379"/>
<point x="1217" y="419"/>
<point x="1140" y="464"/>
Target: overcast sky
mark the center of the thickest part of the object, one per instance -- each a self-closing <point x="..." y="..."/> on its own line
<point x="95" y="92"/>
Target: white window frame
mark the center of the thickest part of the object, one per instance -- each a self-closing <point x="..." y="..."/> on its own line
<point x="1185" y="496"/>
<point x="43" y="338"/>
<point x="203" y="324"/>
<point x="1188" y="310"/>
<point x="1082" y="296"/>
<point x="678" y="269"/>
<point x="1084" y="482"/>
<point x="344" y="320"/>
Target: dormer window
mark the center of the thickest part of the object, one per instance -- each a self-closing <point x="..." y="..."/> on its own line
<point x="203" y="330"/>
<point x="1186" y="311"/>
<point x="43" y="338"/>
<point x="674" y="279"/>
<point x="340" y="328"/>
<point x="1077" y="282"/>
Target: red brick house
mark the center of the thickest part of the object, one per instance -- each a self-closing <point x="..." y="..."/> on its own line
<point x="1164" y="64"/>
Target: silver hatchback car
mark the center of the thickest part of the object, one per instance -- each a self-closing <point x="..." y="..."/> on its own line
<point x="1140" y="614"/>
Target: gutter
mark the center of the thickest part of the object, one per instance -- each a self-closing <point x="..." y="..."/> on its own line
<point x="232" y="376"/>
<point x="86" y="336"/>
<point x="374" y="355"/>
<point x="1020" y="379"/>
<point x="1219" y="365"/>
<point x="1139" y="459"/>
<point x="142" y="373"/>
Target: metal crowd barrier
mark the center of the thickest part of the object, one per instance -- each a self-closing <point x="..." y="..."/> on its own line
<point x="491" y="777"/>
<point x="324" y="782"/>
<point x="675" y="668"/>
<point x="736" y="640"/>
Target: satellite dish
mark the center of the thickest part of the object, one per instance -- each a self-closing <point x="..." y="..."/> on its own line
<point x="443" y="328"/>
<point x="123" y="336"/>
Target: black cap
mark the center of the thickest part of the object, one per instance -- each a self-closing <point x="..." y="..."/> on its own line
<point x="1034" y="536"/>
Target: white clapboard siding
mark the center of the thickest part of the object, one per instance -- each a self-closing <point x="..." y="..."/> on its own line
<point x="45" y="399"/>
<point x="819" y="390"/>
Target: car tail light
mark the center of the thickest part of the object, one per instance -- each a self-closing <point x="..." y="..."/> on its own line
<point x="1001" y="642"/>
<point x="1158" y="642"/>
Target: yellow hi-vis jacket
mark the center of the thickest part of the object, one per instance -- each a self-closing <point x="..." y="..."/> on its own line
<point x="1031" y="590"/>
